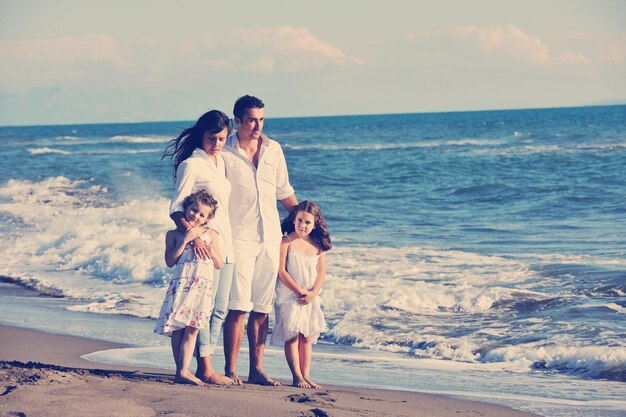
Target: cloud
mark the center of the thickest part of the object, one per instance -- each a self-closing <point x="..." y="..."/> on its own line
<point x="506" y="43"/>
<point x="68" y="51"/>
<point x="148" y="61"/>
<point x="282" y="49"/>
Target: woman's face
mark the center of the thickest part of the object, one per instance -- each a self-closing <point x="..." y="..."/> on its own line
<point x="212" y="143"/>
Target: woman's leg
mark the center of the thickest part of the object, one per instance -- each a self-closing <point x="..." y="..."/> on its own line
<point x="207" y="339"/>
<point x="306" y="350"/>
<point x="293" y="359"/>
<point x="187" y="346"/>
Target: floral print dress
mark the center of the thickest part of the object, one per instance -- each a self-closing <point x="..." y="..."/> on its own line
<point x="188" y="300"/>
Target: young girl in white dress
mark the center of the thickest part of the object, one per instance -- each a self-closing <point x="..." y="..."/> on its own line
<point x="299" y="318"/>
<point x="188" y="302"/>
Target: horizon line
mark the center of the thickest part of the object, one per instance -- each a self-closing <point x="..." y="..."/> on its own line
<point x="617" y="104"/>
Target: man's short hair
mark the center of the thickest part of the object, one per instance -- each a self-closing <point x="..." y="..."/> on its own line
<point x="243" y="104"/>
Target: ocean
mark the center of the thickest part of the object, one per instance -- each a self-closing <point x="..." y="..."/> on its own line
<point x="477" y="254"/>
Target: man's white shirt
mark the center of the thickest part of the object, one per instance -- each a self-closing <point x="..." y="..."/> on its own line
<point x="253" y="212"/>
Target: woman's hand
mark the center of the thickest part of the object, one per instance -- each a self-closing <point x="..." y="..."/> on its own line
<point x="201" y="249"/>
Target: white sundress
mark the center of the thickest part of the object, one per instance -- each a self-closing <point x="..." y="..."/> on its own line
<point x="188" y="300"/>
<point x="292" y="317"/>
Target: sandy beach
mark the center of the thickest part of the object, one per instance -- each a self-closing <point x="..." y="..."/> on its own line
<point x="43" y="375"/>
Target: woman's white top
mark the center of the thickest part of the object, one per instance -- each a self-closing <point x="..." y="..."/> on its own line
<point x="200" y="172"/>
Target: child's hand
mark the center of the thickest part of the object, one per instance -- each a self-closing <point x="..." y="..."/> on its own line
<point x="306" y="299"/>
<point x="193" y="233"/>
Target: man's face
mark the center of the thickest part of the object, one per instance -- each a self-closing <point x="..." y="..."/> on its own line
<point x="250" y="125"/>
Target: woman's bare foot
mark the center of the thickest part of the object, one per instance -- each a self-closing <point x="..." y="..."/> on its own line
<point x="300" y="383"/>
<point x="312" y="384"/>
<point x="186" y="377"/>
<point x="260" y="377"/>
<point x="234" y="377"/>
<point x="215" y="378"/>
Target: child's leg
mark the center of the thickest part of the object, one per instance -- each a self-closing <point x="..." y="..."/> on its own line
<point x="177" y="338"/>
<point x="187" y="346"/>
<point x="292" y="355"/>
<point x="305" y="349"/>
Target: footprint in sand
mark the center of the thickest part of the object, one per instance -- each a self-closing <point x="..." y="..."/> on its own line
<point x="317" y="397"/>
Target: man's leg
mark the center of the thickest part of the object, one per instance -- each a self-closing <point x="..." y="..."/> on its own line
<point x="239" y="304"/>
<point x="257" y="335"/>
<point x="233" y="335"/>
<point x="263" y="288"/>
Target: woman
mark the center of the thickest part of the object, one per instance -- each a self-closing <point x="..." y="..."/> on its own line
<point x="198" y="164"/>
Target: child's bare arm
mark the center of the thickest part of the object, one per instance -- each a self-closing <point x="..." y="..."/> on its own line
<point x="175" y="244"/>
<point x="173" y="247"/>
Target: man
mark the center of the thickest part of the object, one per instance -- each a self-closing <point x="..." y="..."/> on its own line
<point x="257" y="171"/>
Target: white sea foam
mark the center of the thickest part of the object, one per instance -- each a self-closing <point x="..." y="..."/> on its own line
<point x="589" y="361"/>
<point x="78" y="242"/>
<point x="616" y="307"/>
<point x="393" y="146"/>
<point x="518" y="150"/>
<point x="41" y="151"/>
<point x="75" y="240"/>
<point x="140" y="139"/>
<point x="605" y="146"/>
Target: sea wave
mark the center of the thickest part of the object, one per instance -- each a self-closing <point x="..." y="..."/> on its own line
<point x="46" y="150"/>
<point x="395" y="146"/>
<point x="140" y="139"/>
<point x="604" y="362"/>
<point x="73" y="239"/>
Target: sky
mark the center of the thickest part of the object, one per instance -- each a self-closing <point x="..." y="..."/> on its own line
<point x="64" y="62"/>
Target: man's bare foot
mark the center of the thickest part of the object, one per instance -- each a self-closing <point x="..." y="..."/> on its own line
<point x="312" y="384"/>
<point x="234" y="377"/>
<point x="300" y="383"/>
<point x="260" y="377"/>
<point x="215" y="378"/>
<point x="186" y="377"/>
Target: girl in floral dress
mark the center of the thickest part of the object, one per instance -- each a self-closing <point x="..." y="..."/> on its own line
<point x="187" y="306"/>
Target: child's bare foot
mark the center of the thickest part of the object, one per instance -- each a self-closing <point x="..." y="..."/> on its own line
<point x="215" y="378"/>
<point x="312" y="384"/>
<point x="300" y="383"/>
<point x="259" y="376"/>
<point x="234" y="377"/>
<point x="186" y="377"/>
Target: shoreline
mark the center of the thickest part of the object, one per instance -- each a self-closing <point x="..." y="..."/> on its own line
<point x="43" y="373"/>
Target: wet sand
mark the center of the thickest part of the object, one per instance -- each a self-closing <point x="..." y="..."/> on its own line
<point x="43" y="375"/>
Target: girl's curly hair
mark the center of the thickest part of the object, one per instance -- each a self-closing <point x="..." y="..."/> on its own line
<point x="201" y="197"/>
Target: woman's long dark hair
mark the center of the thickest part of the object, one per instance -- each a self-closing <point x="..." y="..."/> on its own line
<point x="319" y="234"/>
<point x="183" y="146"/>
